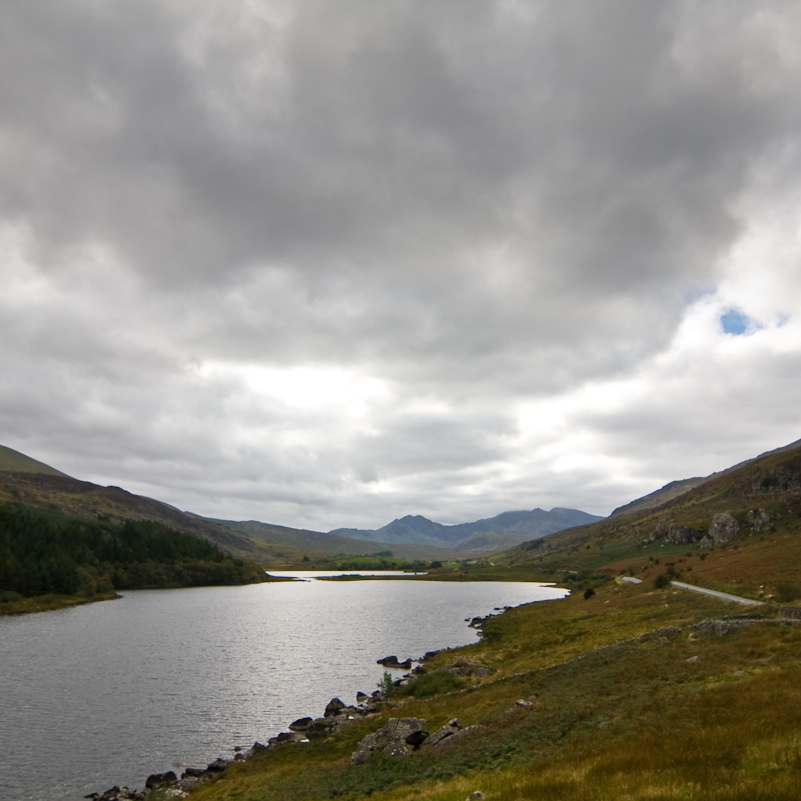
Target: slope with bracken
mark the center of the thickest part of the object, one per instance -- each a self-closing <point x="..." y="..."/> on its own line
<point x="739" y="530"/>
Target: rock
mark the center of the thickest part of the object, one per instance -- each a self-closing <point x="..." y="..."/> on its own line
<point x="524" y="704"/>
<point x="449" y="729"/>
<point x="723" y="528"/>
<point x="693" y="659"/>
<point x="466" y="667"/>
<point x="254" y="749"/>
<point x="361" y="697"/>
<point x="115" y="794"/>
<point x="160" y="779"/>
<point x="286" y="737"/>
<point x="760" y="520"/>
<point x="301" y="724"/>
<point x="334" y="707"/>
<point x="392" y="662"/>
<point x="193" y="773"/>
<point x="218" y="766"/>
<point x="324" y="727"/>
<point x="399" y="737"/>
<point x="457" y="736"/>
<point x="476" y="796"/>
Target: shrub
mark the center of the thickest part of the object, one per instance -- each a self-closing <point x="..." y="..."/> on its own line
<point x="588" y="593"/>
<point x="787" y="591"/>
<point x="662" y="581"/>
<point x="428" y="684"/>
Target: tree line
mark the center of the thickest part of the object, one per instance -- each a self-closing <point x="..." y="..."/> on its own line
<point x="44" y="552"/>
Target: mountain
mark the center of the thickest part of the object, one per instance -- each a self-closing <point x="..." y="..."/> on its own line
<point x="331" y="543"/>
<point x="481" y="536"/>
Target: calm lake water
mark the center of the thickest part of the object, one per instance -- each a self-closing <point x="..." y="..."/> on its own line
<point x="109" y="693"/>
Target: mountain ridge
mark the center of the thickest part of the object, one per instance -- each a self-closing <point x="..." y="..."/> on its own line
<point x="497" y="532"/>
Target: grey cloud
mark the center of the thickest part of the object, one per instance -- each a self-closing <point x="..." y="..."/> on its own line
<point x="483" y="205"/>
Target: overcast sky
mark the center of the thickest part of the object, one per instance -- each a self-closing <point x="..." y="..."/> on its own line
<point x="329" y="263"/>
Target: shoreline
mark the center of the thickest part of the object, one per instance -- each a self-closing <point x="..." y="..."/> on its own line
<point x="337" y="715"/>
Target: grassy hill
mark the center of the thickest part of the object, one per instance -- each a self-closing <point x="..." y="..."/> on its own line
<point x="622" y="690"/>
<point x="736" y="531"/>
<point x="12" y="461"/>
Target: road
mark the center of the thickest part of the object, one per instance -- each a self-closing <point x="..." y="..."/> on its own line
<point x="724" y="596"/>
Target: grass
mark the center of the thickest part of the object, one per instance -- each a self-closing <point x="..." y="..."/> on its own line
<point x="48" y="603"/>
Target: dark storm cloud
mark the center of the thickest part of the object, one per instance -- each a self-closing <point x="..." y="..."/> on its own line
<point x="479" y="206"/>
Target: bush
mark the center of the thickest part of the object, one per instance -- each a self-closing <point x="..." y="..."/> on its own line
<point x="428" y="684"/>
<point x="588" y="593"/>
<point x="787" y="591"/>
<point x="662" y="581"/>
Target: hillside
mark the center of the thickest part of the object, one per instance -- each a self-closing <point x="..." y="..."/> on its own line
<point x="737" y="528"/>
<point x="12" y="461"/>
<point x="488" y="535"/>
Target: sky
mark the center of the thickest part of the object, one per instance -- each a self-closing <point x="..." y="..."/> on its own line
<point x="325" y="264"/>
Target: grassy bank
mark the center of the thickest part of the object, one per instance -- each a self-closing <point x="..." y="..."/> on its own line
<point x="623" y="703"/>
<point x="11" y="604"/>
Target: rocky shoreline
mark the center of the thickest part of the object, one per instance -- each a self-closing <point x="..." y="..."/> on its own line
<point x="336" y="714"/>
<point x="398" y="737"/>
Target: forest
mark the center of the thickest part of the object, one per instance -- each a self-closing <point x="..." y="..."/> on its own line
<point x="44" y="552"/>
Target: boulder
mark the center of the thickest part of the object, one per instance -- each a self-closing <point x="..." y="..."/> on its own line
<point x="193" y="773"/>
<point x="301" y="724"/>
<point x="392" y="662"/>
<point x="160" y="779"/>
<point x="334" y="707"/>
<point x="466" y="667"/>
<point x="457" y="736"/>
<point x="324" y="727"/>
<point x="723" y="528"/>
<point x="361" y="697"/>
<point x="449" y="729"/>
<point x="286" y="737"/>
<point x="399" y="737"/>
<point x="218" y="766"/>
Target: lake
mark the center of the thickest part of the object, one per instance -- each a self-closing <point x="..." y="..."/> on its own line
<point x="111" y="692"/>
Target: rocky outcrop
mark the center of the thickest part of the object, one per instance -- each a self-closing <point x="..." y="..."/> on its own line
<point x="399" y="737"/>
<point x="760" y="520"/>
<point x="442" y="733"/>
<point x="466" y="668"/>
<point x="723" y="528"/>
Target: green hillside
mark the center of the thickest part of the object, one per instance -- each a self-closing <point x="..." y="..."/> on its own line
<point x="15" y="462"/>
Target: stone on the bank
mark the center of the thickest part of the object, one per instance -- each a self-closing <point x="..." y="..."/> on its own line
<point x="334" y="707"/>
<point x="449" y="729"/>
<point x="399" y="737"/>
<point x="160" y="779"/>
<point x="286" y="737"/>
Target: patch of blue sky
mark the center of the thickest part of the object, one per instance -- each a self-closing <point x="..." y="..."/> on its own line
<point x="734" y="322"/>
